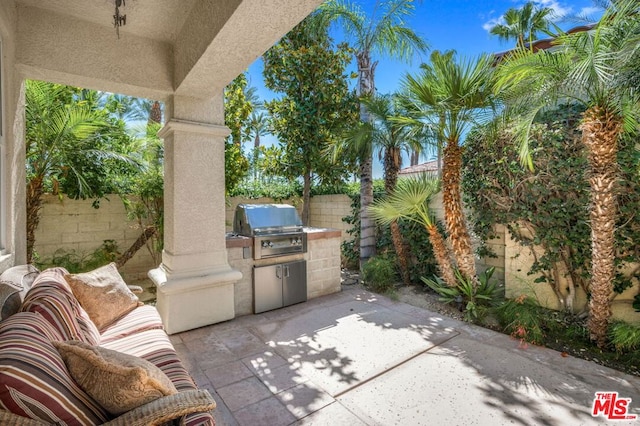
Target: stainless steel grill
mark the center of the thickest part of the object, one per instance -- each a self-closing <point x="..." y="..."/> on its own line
<point x="276" y="229"/>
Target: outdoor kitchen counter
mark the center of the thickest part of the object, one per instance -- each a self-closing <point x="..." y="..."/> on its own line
<point x="323" y="265"/>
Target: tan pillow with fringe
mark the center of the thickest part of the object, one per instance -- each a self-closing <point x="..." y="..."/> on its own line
<point x="103" y="294"/>
<point x="118" y="382"/>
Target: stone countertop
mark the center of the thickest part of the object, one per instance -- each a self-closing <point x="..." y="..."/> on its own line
<point x="234" y="240"/>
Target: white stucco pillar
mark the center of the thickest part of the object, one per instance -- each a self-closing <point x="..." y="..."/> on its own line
<point x="195" y="284"/>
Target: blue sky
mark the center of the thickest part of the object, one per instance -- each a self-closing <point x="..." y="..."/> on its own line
<point x="445" y="24"/>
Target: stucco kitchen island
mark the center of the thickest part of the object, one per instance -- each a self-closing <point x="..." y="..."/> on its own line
<point x="322" y="258"/>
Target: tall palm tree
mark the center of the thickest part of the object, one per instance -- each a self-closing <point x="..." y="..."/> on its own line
<point x="523" y="24"/>
<point x="258" y="126"/>
<point x="391" y="138"/>
<point x="585" y="67"/>
<point x="410" y="201"/>
<point x="453" y="95"/>
<point x="60" y="130"/>
<point x="384" y="32"/>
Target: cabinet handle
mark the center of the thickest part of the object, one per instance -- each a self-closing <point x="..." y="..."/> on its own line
<point x="278" y="271"/>
<point x="286" y="271"/>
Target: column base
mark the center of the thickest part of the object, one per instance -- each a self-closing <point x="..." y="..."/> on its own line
<point x="185" y="303"/>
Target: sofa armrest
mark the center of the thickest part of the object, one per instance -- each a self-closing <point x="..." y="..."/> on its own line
<point x="166" y="408"/>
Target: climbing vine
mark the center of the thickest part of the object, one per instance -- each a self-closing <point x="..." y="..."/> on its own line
<point x="548" y="208"/>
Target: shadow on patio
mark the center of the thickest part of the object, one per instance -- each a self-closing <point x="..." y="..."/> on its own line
<point x="357" y="358"/>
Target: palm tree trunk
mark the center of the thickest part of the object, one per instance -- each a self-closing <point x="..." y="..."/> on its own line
<point x="34" y="204"/>
<point x="366" y="87"/>
<point x="453" y="213"/>
<point x="391" y="168"/>
<point x="367" y="224"/>
<point x="600" y="131"/>
<point x="441" y="254"/>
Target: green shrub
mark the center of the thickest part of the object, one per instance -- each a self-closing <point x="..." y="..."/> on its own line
<point x="380" y="274"/>
<point x="522" y="319"/>
<point x="75" y="262"/>
<point x="624" y="337"/>
<point x="473" y="300"/>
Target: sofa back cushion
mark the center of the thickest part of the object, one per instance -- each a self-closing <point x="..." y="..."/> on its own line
<point x="34" y="381"/>
<point x="51" y="296"/>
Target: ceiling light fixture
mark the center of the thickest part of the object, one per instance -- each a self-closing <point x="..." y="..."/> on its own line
<point x="119" y="20"/>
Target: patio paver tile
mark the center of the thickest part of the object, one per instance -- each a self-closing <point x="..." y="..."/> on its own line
<point x="263" y="362"/>
<point x="227" y="374"/>
<point x="243" y="393"/>
<point x="304" y="399"/>
<point x="241" y="342"/>
<point x="268" y="412"/>
<point x="281" y="378"/>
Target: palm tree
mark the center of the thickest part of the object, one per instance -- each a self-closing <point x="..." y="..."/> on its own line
<point x="585" y="67"/>
<point x="391" y="138"/>
<point x="523" y="24"/>
<point x="258" y="126"/>
<point x="386" y="33"/>
<point x="453" y="95"/>
<point x="410" y="201"/>
<point x="61" y="134"/>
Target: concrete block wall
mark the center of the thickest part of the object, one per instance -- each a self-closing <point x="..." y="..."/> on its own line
<point x="75" y="225"/>
<point x="327" y="211"/>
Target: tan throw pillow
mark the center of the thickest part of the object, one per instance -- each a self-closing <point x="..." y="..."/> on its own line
<point x="118" y="382"/>
<point x="103" y="294"/>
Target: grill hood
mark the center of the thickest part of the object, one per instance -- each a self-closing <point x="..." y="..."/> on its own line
<point x="260" y="219"/>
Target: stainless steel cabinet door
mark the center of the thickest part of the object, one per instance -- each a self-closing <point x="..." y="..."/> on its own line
<point x="294" y="284"/>
<point x="267" y="288"/>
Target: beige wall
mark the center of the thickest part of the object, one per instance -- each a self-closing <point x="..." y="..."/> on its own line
<point x="76" y="225"/>
<point x="513" y="263"/>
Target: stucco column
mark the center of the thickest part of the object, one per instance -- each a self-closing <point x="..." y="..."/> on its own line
<point x="195" y="284"/>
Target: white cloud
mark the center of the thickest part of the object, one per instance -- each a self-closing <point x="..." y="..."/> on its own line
<point x="559" y="10"/>
<point x="591" y="10"/>
<point x="492" y="23"/>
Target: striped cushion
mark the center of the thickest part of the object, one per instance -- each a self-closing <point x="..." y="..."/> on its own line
<point x="51" y="296"/>
<point x="154" y="346"/>
<point x="140" y="319"/>
<point x="34" y="381"/>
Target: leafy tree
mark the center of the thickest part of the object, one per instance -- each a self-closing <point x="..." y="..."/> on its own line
<point x="523" y="24"/>
<point x="584" y="66"/>
<point x="236" y="114"/>
<point x="316" y="107"/>
<point x="453" y="95"/>
<point x="69" y="143"/>
<point x="384" y="32"/>
<point x="548" y="207"/>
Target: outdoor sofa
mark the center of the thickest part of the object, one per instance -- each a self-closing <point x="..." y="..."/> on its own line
<point x="81" y="349"/>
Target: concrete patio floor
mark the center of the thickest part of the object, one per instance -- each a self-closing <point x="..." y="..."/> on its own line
<point x="358" y="358"/>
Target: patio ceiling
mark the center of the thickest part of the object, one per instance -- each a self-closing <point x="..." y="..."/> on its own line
<point x="189" y="47"/>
